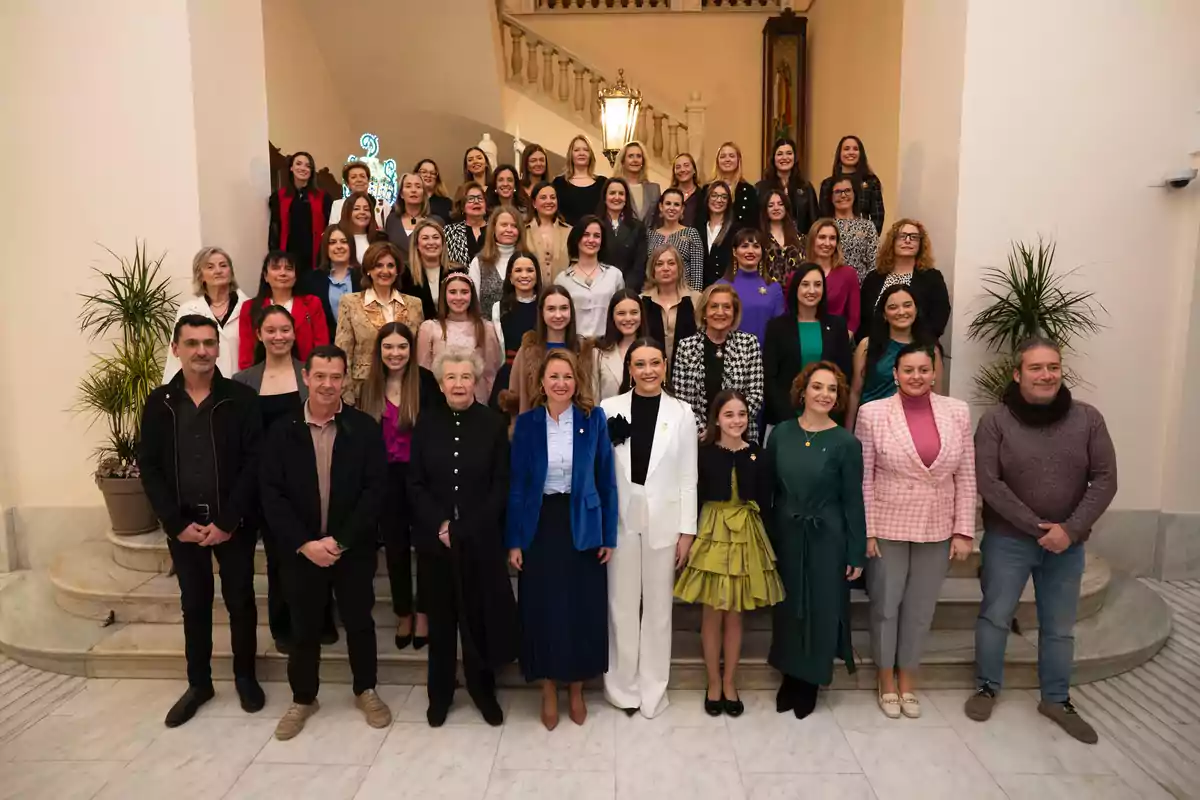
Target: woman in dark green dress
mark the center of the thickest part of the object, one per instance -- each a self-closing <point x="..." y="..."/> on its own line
<point x="819" y="532"/>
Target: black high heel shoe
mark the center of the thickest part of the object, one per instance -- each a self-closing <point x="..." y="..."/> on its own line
<point x="714" y="708"/>
<point x="733" y="708"/>
<point x="419" y="641"/>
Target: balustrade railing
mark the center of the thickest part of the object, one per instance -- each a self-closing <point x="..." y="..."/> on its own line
<point x="572" y="6"/>
<point x="571" y="85"/>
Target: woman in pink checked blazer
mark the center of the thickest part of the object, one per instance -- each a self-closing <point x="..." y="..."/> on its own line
<point x="919" y="492"/>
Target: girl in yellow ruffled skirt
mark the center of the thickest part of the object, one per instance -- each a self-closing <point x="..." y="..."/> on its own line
<point x="731" y="567"/>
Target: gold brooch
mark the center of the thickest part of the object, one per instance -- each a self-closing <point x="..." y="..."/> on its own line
<point x="753" y="457"/>
<point x="762" y="290"/>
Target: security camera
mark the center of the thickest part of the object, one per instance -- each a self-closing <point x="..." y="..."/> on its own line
<point x="1180" y="178"/>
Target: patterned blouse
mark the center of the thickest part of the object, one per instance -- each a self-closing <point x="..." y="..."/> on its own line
<point x="780" y="261"/>
<point x="860" y="242"/>
<point x="691" y="250"/>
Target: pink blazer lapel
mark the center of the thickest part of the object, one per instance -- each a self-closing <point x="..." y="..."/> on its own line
<point x="947" y="431"/>
<point x="898" y="424"/>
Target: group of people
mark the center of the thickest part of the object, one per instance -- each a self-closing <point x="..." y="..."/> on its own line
<point x="502" y="398"/>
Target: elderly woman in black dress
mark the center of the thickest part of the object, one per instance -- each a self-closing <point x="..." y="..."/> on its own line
<point x="457" y="489"/>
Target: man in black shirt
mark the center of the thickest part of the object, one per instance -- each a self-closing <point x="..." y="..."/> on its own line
<point x="198" y="459"/>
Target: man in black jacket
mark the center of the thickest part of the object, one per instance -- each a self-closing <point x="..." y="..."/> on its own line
<point x="198" y="457"/>
<point x="324" y="481"/>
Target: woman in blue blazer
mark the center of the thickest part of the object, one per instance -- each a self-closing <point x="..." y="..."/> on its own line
<point x="561" y="530"/>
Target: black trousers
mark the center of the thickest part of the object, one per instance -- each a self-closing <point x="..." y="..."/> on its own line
<point x="194" y="569"/>
<point x="436" y="575"/>
<point x="397" y="543"/>
<point x="279" y="615"/>
<point x="308" y="587"/>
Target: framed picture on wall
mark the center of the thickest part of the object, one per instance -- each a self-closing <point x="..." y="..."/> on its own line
<point x="785" y="83"/>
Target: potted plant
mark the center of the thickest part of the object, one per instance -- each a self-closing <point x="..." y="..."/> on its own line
<point x="1028" y="298"/>
<point x="136" y="313"/>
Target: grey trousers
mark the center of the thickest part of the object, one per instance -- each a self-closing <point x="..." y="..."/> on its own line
<point x="904" y="584"/>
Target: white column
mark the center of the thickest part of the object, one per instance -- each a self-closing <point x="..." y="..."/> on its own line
<point x="694" y="115"/>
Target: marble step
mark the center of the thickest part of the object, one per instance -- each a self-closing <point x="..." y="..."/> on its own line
<point x="90" y="583"/>
<point x="147" y="552"/>
<point x="1129" y="629"/>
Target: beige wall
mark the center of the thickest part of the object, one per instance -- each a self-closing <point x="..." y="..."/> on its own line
<point x="306" y="107"/>
<point x="854" y="64"/>
<point x="1046" y="151"/>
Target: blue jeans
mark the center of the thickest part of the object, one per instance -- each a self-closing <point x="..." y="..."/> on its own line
<point x="1008" y="562"/>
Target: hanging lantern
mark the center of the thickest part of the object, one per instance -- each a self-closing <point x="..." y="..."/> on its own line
<point x="619" y="107"/>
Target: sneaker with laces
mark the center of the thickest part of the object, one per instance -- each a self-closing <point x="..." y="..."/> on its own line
<point x="1067" y="718"/>
<point x="375" y="710"/>
<point x="293" y="720"/>
<point x="979" y="705"/>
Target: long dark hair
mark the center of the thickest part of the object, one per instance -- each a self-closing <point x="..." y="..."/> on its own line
<point x="261" y="301"/>
<point x="508" y="294"/>
<point x="260" y="349"/>
<point x="323" y="262"/>
<point x="638" y="343"/>
<point x="290" y="187"/>
<point x="580" y="228"/>
<point x="534" y="214"/>
<point x="570" y="337"/>
<point x="626" y="217"/>
<point x="712" y="431"/>
<point x="520" y="201"/>
<point x="793" y="303"/>
<point x="612" y="336"/>
<point x="487" y="173"/>
<point x="861" y="170"/>
<point x="373" y="398"/>
<point x="728" y="222"/>
<point x="796" y="180"/>
<point x="791" y="235"/>
<point x="529" y="150"/>
<point x="473" y="310"/>
<point x="881" y="331"/>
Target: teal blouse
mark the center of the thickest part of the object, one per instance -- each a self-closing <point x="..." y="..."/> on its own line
<point x="879" y="382"/>
<point x="812" y="346"/>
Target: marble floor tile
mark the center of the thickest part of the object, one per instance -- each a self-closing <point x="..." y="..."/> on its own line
<point x="104" y="695"/>
<point x="860" y="711"/>
<point x="657" y="760"/>
<point x="115" y="736"/>
<point x="453" y="762"/>
<point x="462" y="712"/>
<point x="922" y="764"/>
<point x="227" y="704"/>
<point x="1017" y="739"/>
<point x="766" y="741"/>
<point x="337" y="733"/>
<point x="1065" y="787"/>
<point x="55" y="780"/>
<point x="526" y="744"/>
<point x="507" y="784"/>
<point x="766" y="786"/>
<point x="686" y="710"/>
<point x="198" y="761"/>
<point x="93" y="690"/>
<point x="297" y="782"/>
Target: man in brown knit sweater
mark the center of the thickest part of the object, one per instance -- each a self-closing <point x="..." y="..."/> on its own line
<point x="1046" y="469"/>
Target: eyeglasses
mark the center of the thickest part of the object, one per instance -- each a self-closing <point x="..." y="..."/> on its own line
<point x="474" y="198"/>
<point x="908" y="237"/>
<point x="427" y="173"/>
<point x="842" y="192"/>
<point x="724" y="198"/>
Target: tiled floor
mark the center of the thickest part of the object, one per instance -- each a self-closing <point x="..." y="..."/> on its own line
<point x="105" y="740"/>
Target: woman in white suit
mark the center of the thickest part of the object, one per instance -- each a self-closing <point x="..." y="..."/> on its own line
<point x="919" y="492"/>
<point x="215" y="295"/>
<point x="654" y="444"/>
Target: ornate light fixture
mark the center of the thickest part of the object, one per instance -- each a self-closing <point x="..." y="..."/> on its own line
<point x="619" y="108"/>
<point x="383" y="173"/>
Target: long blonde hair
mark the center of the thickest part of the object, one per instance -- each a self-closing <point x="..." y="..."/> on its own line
<point x="490" y="252"/>
<point x="473" y="310"/>
<point x="680" y="279"/>
<point x="716" y="170"/>
<point x="416" y="270"/>
<point x="569" y="170"/>
<point x="620" y="168"/>
<point x="583" y="391"/>
<point x="838" y="258"/>
<point x="400" y="194"/>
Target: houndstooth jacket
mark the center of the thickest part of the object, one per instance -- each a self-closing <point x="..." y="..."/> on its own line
<point x="743" y="371"/>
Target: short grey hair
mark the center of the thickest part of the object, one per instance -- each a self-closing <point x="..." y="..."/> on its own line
<point x="457" y="355"/>
<point x="202" y="257"/>
<point x="1032" y="343"/>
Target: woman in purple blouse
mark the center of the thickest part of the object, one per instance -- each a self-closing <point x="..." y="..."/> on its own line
<point x="396" y="392"/>
<point x="762" y="298"/>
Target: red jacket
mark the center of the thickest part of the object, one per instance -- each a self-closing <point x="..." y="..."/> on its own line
<point x="281" y="206"/>
<point x="311" y="328"/>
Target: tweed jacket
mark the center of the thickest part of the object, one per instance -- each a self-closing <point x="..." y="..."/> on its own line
<point x="457" y="249"/>
<point x="905" y="500"/>
<point x="359" y="322"/>
<point x="743" y="371"/>
<point x="553" y="260"/>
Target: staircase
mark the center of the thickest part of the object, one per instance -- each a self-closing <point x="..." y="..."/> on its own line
<point x="108" y="608"/>
<point x="551" y="95"/>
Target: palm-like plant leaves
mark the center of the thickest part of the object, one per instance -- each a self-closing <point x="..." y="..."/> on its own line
<point x="1028" y="298"/>
<point x="136" y="311"/>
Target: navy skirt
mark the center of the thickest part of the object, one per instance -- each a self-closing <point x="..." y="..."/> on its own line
<point x="562" y="595"/>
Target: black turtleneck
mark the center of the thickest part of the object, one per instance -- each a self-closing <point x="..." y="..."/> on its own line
<point x="1034" y="414"/>
<point x="644" y="411"/>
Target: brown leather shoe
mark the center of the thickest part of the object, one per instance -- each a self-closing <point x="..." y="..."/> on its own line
<point x="375" y="710"/>
<point x="550" y="709"/>
<point x="293" y="720"/>
<point x="1069" y="720"/>
<point x="577" y="710"/>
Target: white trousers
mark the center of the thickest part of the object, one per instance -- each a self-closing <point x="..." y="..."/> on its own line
<point x="641" y="583"/>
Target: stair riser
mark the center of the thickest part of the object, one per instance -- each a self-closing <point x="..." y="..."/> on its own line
<point x="159" y="560"/>
<point x="949" y="615"/>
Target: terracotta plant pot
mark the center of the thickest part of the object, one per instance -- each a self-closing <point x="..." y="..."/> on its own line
<point x="129" y="509"/>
